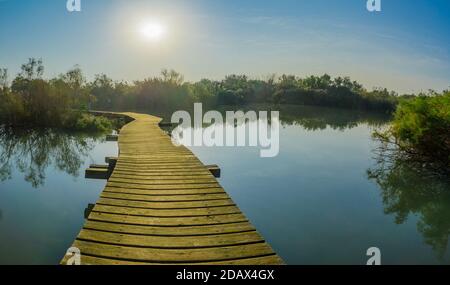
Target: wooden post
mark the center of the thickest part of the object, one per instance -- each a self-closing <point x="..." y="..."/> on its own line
<point x="101" y="166"/>
<point x="109" y="158"/>
<point x="112" y="138"/>
<point x="101" y="171"/>
<point x="97" y="173"/>
<point x="167" y="125"/>
<point x="88" y="210"/>
<point x="214" y="169"/>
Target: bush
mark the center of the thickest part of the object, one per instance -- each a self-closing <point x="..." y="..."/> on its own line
<point x="11" y="108"/>
<point x="421" y="130"/>
<point x="90" y="123"/>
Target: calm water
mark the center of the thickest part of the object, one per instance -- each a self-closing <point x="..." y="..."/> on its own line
<point x="43" y="193"/>
<point x="314" y="203"/>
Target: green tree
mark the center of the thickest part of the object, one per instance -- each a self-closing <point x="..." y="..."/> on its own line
<point x="421" y="131"/>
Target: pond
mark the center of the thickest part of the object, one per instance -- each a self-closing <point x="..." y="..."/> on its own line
<point x="325" y="199"/>
<point x="43" y="193"/>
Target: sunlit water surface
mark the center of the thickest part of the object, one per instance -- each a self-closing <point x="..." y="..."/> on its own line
<point x="314" y="202"/>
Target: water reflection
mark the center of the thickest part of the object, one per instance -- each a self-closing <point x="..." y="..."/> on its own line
<point x="32" y="151"/>
<point x="319" y="118"/>
<point x="310" y="118"/>
<point x="407" y="190"/>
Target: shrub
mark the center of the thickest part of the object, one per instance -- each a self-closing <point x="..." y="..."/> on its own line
<point x="90" y="123"/>
<point x="421" y="130"/>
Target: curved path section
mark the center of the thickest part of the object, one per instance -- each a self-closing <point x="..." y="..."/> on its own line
<point x="161" y="205"/>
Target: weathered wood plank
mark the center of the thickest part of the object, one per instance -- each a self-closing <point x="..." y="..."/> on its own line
<point x="168" y="221"/>
<point x="173" y="255"/>
<point x="158" y="181"/>
<point x="166" y="212"/>
<point x="170" y="231"/>
<point x="165" y="192"/>
<point x="167" y="186"/>
<point x="168" y="205"/>
<point x="175" y="242"/>
<point x="265" y="260"/>
<point x="154" y="176"/>
<point x="166" y="198"/>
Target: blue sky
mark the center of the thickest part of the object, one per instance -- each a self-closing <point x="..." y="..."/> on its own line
<point x="405" y="47"/>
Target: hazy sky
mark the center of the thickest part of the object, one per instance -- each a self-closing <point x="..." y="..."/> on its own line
<point x="405" y="47"/>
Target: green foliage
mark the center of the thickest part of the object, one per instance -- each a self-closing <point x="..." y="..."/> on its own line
<point x="11" y="108"/>
<point x="203" y="91"/>
<point x="3" y="79"/>
<point x="33" y="101"/>
<point x="91" y="123"/>
<point x="169" y="92"/>
<point x="421" y="130"/>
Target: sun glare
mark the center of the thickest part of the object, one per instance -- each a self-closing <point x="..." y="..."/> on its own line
<point x="152" y="31"/>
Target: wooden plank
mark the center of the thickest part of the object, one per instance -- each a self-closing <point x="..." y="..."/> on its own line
<point x="167" y="186"/>
<point x="155" y="172"/>
<point x="160" y="166"/>
<point x="155" y="176"/>
<point x="178" y="242"/>
<point x="157" y="181"/>
<point x="169" y="231"/>
<point x="163" y="192"/>
<point x="265" y="260"/>
<point x="166" y="198"/>
<point x="168" y="205"/>
<point x="166" y="212"/>
<point x="173" y="255"/>
<point x="168" y="221"/>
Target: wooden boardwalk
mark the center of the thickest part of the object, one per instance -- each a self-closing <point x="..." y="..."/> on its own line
<point x="161" y="205"/>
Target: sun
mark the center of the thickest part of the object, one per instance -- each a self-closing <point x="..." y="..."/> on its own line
<point x="152" y="31"/>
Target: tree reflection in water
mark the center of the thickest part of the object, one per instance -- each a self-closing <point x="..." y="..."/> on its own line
<point x="32" y="151"/>
<point x="408" y="189"/>
<point x="314" y="118"/>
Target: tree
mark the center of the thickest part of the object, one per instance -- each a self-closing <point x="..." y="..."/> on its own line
<point x="204" y="91"/>
<point x="34" y="69"/>
<point x="317" y="82"/>
<point x="420" y="132"/>
<point x="3" y="78"/>
<point x="172" y="77"/>
<point x="286" y="82"/>
<point x="102" y="89"/>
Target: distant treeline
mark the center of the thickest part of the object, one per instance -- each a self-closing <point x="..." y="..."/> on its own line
<point x="30" y="99"/>
<point x="169" y="92"/>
